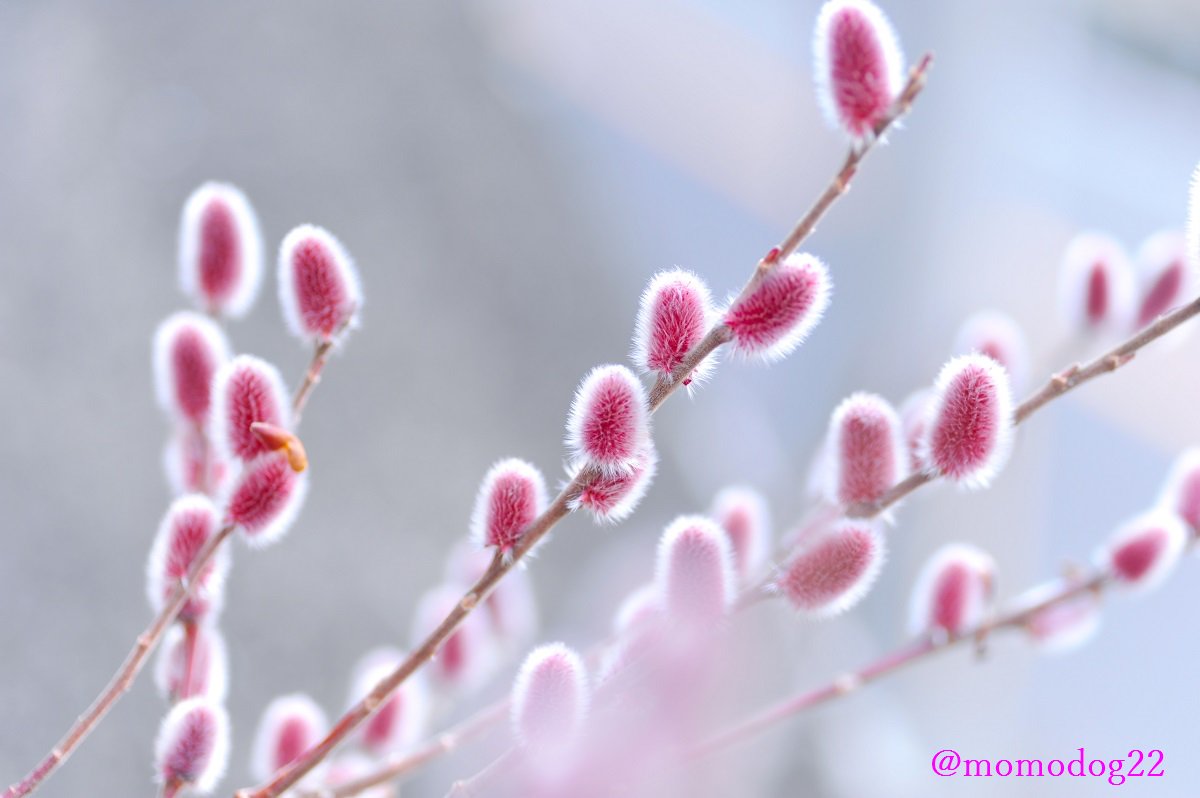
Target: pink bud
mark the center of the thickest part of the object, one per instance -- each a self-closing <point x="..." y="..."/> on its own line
<point x="694" y="571"/>
<point x="613" y="497"/>
<point x="953" y="590"/>
<point x="246" y="390"/>
<point x="996" y="335"/>
<point x="743" y="514"/>
<point x="550" y="699"/>
<point x="189" y="523"/>
<point x="318" y="284"/>
<point x="970" y="430"/>
<point x="188" y="350"/>
<point x="1166" y="279"/>
<point x="609" y="423"/>
<point x="1096" y="285"/>
<point x="858" y="65"/>
<point x="640" y="608"/>
<point x="400" y="721"/>
<point x="468" y="657"/>
<point x="193" y="746"/>
<point x="266" y="498"/>
<point x="915" y="414"/>
<point x="290" y="726"/>
<point x="866" y="453"/>
<point x="220" y="250"/>
<point x="511" y="608"/>
<point x="512" y="496"/>
<point x="833" y="570"/>
<point x="1144" y="551"/>
<point x="780" y="308"/>
<point x="1063" y="625"/>
<point x="210" y="665"/>
<point x="676" y="312"/>
<point x="1181" y="493"/>
<point x="191" y="464"/>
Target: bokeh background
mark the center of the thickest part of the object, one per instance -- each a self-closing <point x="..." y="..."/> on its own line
<point x="508" y="174"/>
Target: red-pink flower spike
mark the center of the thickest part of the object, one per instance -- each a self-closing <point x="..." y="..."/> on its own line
<point x="511" y="608"/>
<point x="189" y="523"/>
<point x="866" y="453"/>
<point x="612" y="497"/>
<point x="1064" y="625"/>
<point x="1096" y="284"/>
<point x="833" y="570"/>
<point x="953" y="590"/>
<point x="192" y="749"/>
<point x="995" y="334"/>
<point x="400" y="721"/>
<point x="266" y="498"/>
<point x="512" y="495"/>
<point x="188" y="350"/>
<point x="676" y="312"/>
<point x="694" y="571"/>
<point x="1144" y="551"/>
<point x="190" y="463"/>
<point x="969" y="433"/>
<point x="468" y="657"/>
<point x="210" y="665"/>
<point x="609" y="423"/>
<point x="1165" y="276"/>
<point x="744" y="516"/>
<point x="550" y="700"/>
<point x="858" y="65"/>
<point x="780" y="308"/>
<point x="318" y="284"/>
<point x="246" y="390"/>
<point x="220" y="250"/>
<point x="915" y="414"/>
<point x="291" y="725"/>
<point x="1181" y="493"/>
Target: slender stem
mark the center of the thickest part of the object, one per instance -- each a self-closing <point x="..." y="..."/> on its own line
<point x="561" y="506"/>
<point x="122" y="680"/>
<point x="920" y="648"/>
<point x="311" y="377"/>
<point x="190" y="632"/>
<point x="1063" y="382"/>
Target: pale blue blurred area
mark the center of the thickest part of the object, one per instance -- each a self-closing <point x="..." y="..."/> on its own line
<point x="508" y="174"/>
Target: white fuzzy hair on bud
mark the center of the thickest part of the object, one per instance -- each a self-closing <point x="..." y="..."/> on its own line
<point x="858" y="65"/>
<point x="1144" y="551"/>
<point x="189" y="348"/>
<point x="210" y="664"/>
<point x="675" y="313"/>
<point x="865" y="454"/>
<point x="192" y="749"/>
<point x="1181" y="491"/>
<point x="968" y="435"/>
<point x="403" y="718"/>
<point x="187" y="526"/>
<point x="611" y="498"/>
<point x="833" y="569"/>
<point x="220" y="250"/>
<point x="744" y="515"/>
<point x="609" y="421"/>
<point x="694" y="571"/>
<point x="245" y="390"/>
<point x="550" y="701"/>
<point x="511" y="497"/>
<point x="319" y="288"/>
<point x="1096" y="288"/>
<point x="952" y="591"/>
<point x="290" y="726"/>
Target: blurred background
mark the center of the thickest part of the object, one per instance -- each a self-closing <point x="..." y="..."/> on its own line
<point x="508" y="174"/>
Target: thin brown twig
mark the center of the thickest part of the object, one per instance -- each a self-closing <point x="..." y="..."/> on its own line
<point x="920" y="648"/>
<point x="123" y="679"/>
<point x="1066" y="380"/>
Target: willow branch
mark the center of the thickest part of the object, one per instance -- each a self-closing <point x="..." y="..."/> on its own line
<point x="1061" y="383"/>
<point x="122" y="680"/>
<point x="924" y="647"/>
